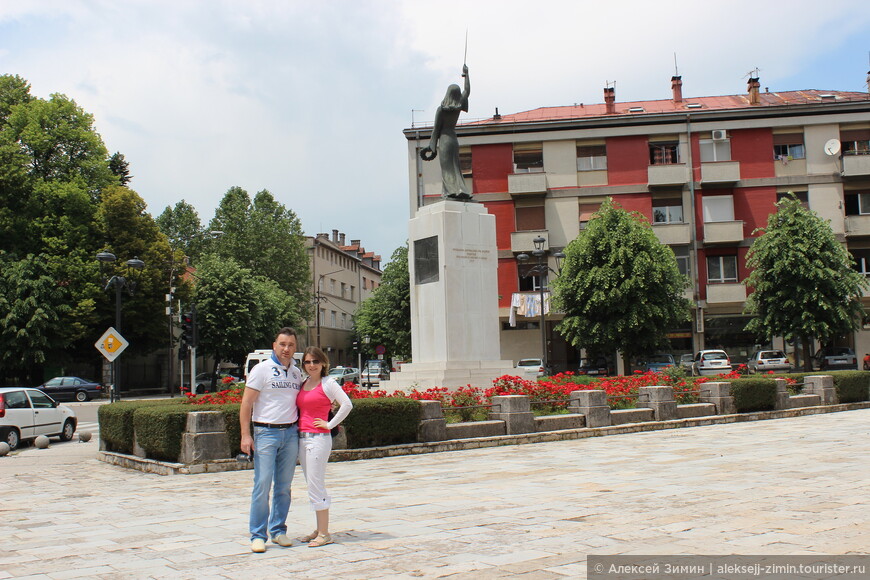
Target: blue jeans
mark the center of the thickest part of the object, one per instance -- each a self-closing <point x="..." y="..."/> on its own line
<point x="275" y="453"/>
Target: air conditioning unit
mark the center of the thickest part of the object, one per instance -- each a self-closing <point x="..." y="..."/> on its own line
<point x="719" y="135"/>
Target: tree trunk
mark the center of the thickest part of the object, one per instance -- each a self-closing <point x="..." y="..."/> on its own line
<point x="808" y="362"/>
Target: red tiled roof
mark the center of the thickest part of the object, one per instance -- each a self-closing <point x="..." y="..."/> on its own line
<point x="669" y="106"/>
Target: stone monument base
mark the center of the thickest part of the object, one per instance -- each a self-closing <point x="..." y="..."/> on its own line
<point x="452" y="374"/>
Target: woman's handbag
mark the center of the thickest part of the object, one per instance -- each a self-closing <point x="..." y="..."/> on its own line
<point x="334" y="430"/>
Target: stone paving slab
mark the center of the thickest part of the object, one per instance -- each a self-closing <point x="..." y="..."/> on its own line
<point x="785" y="486"/>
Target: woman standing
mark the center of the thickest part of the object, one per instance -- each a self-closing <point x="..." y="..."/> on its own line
<point x="314" y="402"/>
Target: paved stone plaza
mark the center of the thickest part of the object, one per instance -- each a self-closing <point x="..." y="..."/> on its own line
<point x="787" y="486"/>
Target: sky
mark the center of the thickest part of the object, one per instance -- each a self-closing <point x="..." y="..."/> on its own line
<point x="309" y="99"/>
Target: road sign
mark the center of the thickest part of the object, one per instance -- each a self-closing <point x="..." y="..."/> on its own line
<point x="111" y="344"/>
<point x="380" y="349"/>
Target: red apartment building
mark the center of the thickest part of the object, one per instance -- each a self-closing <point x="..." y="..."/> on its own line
<point x="705" y="171"/>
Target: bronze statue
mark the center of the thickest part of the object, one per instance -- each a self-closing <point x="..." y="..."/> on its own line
<point x="445" y="144"/>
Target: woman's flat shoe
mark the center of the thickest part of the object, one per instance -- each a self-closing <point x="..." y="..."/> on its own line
<point x="310" y="537"/>
<point x="320" y="540"/>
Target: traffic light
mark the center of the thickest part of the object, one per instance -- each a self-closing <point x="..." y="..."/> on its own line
<point x="355" y="345"/>
<point x="187" y="330"/>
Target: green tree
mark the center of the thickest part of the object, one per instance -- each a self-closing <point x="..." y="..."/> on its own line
<point x="620" y="288"/>
<point x="385" y="317"/>
<point x="128" y="231"/>
<point x="237" y="311"/>
<point x="120" y="168"/>
<point x="58" y="138"/>
<point x="14" y="90"/>
<point x="181" y="225"/>
<point x="265" y="237"/>
<point x="803" y="280"/>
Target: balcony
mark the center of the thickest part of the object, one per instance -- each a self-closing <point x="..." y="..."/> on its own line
<point x="669" y="174"/>
<point x="726" y="293"/>
<point x="723" y="232"/>
<point x="858" y="225"/>
<point x="720" y="172"/>
<point x="522" y="241"/>
<point x="527" y="183"/>
<point x="856" y="165"/>
<point x="673" y="234"/>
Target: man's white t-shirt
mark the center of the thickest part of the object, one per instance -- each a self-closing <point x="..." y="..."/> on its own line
<point x="278" y="386"/>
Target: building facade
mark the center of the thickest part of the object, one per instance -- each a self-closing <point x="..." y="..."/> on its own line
<point x="705" y="171"/>
<point x="343" y="275"/>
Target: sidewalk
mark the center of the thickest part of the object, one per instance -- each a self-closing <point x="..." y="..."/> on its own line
<point x="786" y="486"/>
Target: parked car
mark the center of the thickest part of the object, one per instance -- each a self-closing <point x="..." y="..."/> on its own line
<point x="835" y="358"/>
<point x="344" y="375"/>
<point x="711" y="362"/>
<point x="374" y="372"/>
<point x="72" y="388"/>
<point x="763" y="361"/>
<point x="686" y="361"/>
<point x="203" y="382"/>
<point x="658" y="362"/>
<point x="595" y="367"/>
<point x="531" y="365"/>
<point x="27" y="413"/>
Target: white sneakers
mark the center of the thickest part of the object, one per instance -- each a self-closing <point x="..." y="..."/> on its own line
<point x="282" y="540"/>
<point x="258" y="545"/>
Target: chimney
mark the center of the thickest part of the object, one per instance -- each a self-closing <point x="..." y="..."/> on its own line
<point x="354" y="242"/>
<point x="610" y="99"/>
<point x="677" y="87"/>
<point x="335" y="236"/>
<point x="752" y="87"/>
<point x="341" y="239"/>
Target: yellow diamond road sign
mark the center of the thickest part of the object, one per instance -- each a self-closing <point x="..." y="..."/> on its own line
<point x="111" y="344"/>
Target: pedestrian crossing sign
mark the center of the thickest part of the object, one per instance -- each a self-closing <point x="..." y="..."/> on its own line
<point x="111" y="344"/>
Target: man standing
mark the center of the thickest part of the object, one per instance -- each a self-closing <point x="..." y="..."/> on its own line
<point x="269" y="403"/>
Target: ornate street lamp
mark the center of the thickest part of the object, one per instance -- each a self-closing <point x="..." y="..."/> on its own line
<point x="119" y="283"/>
<point x="541" y="269"/>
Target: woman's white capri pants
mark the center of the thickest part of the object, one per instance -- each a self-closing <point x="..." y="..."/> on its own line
<point x="314" y="450"/>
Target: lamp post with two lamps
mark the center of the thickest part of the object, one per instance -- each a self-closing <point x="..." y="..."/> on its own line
<point x="119" y="283"/>
<point x="541" y="269"/>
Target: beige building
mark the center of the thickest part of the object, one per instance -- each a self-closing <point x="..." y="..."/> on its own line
<point x="343" y="275"/>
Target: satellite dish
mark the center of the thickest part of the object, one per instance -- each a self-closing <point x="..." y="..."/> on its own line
<point x="832" y="146"/>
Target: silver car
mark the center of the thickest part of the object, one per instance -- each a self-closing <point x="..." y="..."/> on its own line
<point x="27" y="413"/>
<point x="711" y="362"/>
<point x="764" y="361"/>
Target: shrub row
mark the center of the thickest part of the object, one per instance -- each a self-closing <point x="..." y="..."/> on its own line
<point x="753" y="394"/>
<point x="376" y="422"/>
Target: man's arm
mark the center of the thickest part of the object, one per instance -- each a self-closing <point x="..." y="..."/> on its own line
<point x="245" y="412"/>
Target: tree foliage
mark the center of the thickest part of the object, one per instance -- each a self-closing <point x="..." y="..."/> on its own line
<point x="236" y="310"/>
<point x="803" y="280"/>
<point x="265" y="237"/>
<point x="182" y="226"/>
<point x="620" y="288"/>
<point x="385" y="317"/>
<point x="120" y="168"/>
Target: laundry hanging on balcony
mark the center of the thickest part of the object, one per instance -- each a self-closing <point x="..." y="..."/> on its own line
<point x="528" y="305"/>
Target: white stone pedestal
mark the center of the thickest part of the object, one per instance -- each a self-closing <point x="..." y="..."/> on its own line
<point x="453" y="263"/>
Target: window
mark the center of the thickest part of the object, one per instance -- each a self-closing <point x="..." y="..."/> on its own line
<point x="586" y="211"/>
<point x="718" y="208"/>
<point x="664" y="153"/>
<point x="16" y="400"/>
<point x="322" y="317"/>
<point x="862" y="261"/>
<point x="802" y="196"/>
<point x="722" y="269"/>
<point x="332" y="318"/>
<point x="682" y="255"/>
<point x="668" y="211"/>
<point x="529" y="282"/>
<point x="591" y="157"/>
<point x="343" y="320"/>
<point x="343" y="289"/>
<point x="465" y="161"/>
<point x="715" y="150"/>
<point x="530" y="218"/>
<point x="858" y="203"/>
<point x="365" y="283"/>
<point x="332" y="286"/>
<point x="40" y="400"/>
<point x="528" y="158"/>
<point x="856" y="142"/>
<point x="352" y="292"/>
<point x="788" y="146"/>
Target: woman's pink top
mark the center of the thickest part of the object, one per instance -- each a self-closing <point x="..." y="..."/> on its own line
<point x="312" y="405"/>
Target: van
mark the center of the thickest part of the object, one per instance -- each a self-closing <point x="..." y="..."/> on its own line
<point x="258" y="356"/>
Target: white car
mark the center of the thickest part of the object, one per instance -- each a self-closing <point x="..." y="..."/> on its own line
<point x="27" y="413"/>
<point x="532" y="365"/>
<point x="711" y="362"/>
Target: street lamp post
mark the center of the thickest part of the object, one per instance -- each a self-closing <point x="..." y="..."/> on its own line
<point x="119" y="283"/>
<point x="541" y="269"/>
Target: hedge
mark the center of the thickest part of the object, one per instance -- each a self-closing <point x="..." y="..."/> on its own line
<point x="116" y="422"/>
<point x="377" y="422"/>
<point x="159" y="429"/>
<point x="753" y="394"/>
<point x="852" y="386"/>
